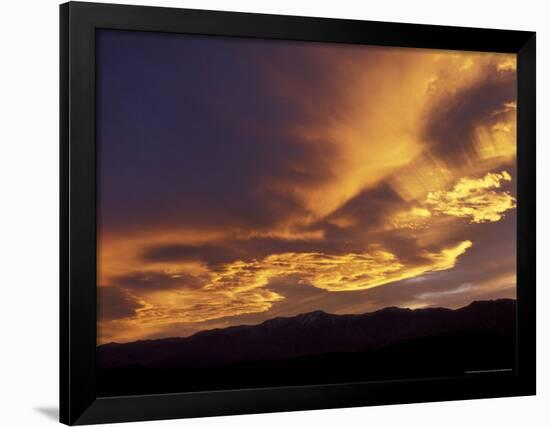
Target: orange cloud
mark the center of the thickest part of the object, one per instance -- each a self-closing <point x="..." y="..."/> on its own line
<point x="495" y="139"/>
<point x="413" y="218"/>
<point x="240" y="287"/>
<point x="474" y="199"/>
<point x="161" y="309"/>
<point x="373" y="126"/>
<point x="353" y="272"/>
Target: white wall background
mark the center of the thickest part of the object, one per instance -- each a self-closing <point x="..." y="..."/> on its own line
<point x="29" y="211"/>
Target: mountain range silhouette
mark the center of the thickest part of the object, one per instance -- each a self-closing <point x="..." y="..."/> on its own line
<point x="309" y="335"/>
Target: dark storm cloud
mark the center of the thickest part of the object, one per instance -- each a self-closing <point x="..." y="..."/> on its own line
<point x="115" y="303"/>
<point x="368" y="208"/>
<point x="367" y="211"/>
<point x="226" y="251"/>
<point x="155" y="281"/>
<point x="198" y="145"/>
<point x="175" y="253"/>
<point x="453" y="121"/>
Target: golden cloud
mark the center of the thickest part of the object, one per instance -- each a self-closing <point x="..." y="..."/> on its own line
<point x="343" y="272"/>
<point x="191" y="306"/>
<point x="353" y="272"/>
<point x="240" y="287"/>
<point x="374" y="125"/>
<point x="475" y="199"/>
<point x="160" y="310"/>
<point x="495" y="140"/>
<point x="413" y="218"/>
<point x="424" y="174"/>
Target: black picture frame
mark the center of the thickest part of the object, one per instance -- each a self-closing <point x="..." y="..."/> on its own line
<point x="79" y="403"/>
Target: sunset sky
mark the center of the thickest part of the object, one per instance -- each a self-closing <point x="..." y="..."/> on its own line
<point x="242" y="179"/>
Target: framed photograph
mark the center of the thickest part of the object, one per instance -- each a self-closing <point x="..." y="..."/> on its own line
<point x="268" y="213"/>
